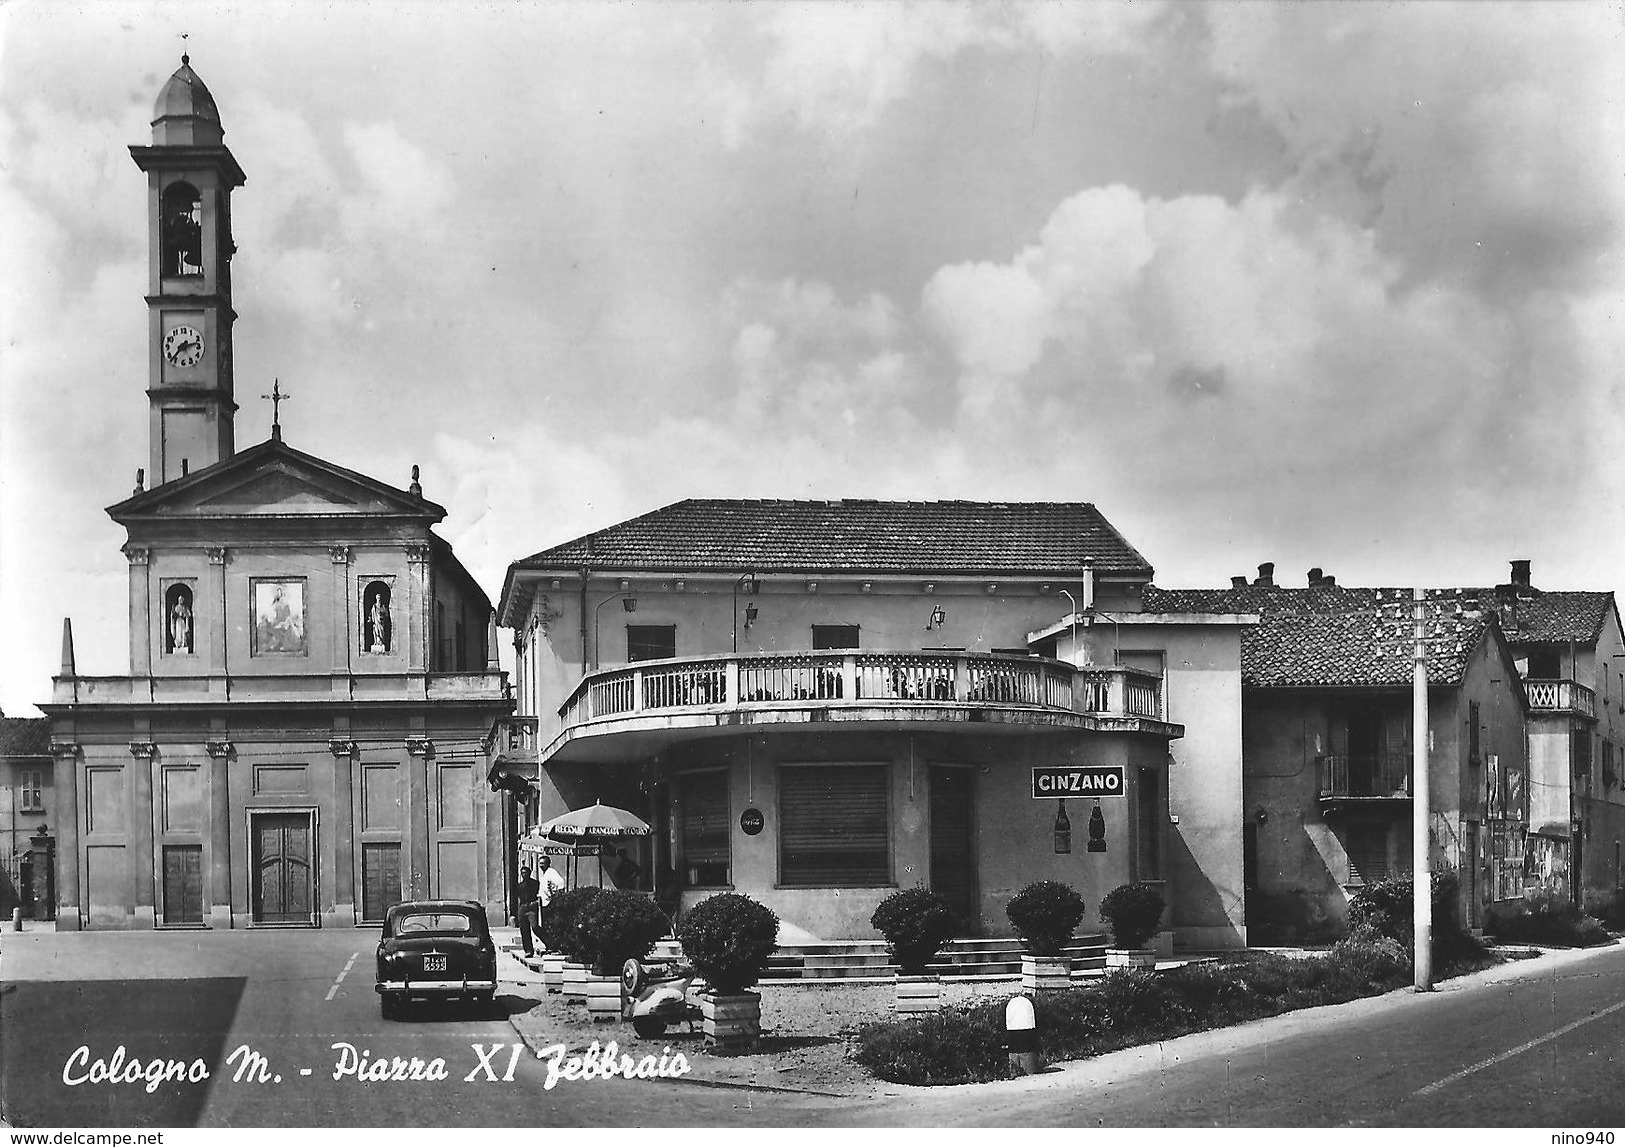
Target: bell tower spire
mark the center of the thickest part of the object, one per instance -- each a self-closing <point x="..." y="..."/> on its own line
<point x="190" y="176"/>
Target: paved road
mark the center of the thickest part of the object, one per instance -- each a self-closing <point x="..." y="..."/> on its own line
<point x="289" y="996"/>
<point x="1531" y="1044"/>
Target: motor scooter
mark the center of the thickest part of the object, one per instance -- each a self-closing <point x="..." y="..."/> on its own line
<point x="660" y="994"/>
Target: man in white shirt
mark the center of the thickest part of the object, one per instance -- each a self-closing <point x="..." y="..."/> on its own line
<point x="550" y="883"/>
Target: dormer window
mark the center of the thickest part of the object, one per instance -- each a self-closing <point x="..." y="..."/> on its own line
<point x="179" y="628"/>
<point x="182" y="230"/>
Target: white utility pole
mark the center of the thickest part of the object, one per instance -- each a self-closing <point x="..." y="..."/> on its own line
<point x="1421" y="875"/>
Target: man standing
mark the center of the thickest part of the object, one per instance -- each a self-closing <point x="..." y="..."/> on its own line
<point x="529" y="909"/>
<point x="550" y="883"/>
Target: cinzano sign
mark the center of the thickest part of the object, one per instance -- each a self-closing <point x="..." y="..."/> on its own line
<point x="1079" y="781"/>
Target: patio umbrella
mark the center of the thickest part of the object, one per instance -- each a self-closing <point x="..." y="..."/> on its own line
<point x="597" y="824"/>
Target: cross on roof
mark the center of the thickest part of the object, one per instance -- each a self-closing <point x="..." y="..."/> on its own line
<point x="277" y="398"/>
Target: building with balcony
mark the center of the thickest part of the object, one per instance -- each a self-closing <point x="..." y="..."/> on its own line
<point x="817" y="703"/>
<point x="302" y="734"/>
<point x="1326" y="717"/>
<point x="1568" y="646"/>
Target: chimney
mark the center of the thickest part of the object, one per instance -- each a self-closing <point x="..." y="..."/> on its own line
<point x="1328" y="581"/>
<point x="1238" y="581"/>
<point x="1520" y="572"/>
<point x="1266" y="574"/>
<point x="1315" y="576"/>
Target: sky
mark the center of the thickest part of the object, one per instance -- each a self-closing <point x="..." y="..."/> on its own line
<point x="1326" y="285"/>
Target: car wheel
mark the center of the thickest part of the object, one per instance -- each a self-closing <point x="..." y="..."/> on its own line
<point x="649" y="1027"/>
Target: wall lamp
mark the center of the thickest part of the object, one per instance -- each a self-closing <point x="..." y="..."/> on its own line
<point x="629" y="603"/>
<point x="750" y="610"/>
<point x="750" y="614"/>
<point x="939" y="617"/>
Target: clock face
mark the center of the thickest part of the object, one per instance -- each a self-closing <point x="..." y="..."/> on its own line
<point x="183" y="346"/>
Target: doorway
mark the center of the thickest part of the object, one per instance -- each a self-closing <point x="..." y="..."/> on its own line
<point x="953" y="841"/>
<point x="283" y="876"/>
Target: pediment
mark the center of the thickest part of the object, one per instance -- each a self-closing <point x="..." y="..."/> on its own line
<point x="274" y="480"/>
<point x="280" y="492"/>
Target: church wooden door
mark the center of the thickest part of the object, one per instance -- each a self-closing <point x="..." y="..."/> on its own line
<point x="284" y="879"/>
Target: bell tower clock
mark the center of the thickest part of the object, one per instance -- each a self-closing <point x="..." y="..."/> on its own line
<point x="190" y="177"/>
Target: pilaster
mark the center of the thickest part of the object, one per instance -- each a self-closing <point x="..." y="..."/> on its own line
<point x="140" y="610"/>
<point x="217" y="792"/>
<point x="65" y="759"/>
<point x="219" y="621"/>
<point x="345" y="857"/>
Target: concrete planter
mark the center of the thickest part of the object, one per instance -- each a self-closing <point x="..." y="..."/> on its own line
<point x="603" y="999"/>
<point x="1045" y="973"/>
<point x="918" y="995"/>
<point x="1131" y="958"/>
<point x="575" y="982"/>
<point x="731" y="1024"/>
<point x="553" y="972"/>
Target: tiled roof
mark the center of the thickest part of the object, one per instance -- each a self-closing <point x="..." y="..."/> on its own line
<point x="1337" y="635"/>
<point x="976" y="538"/>
<point x="25" y="736"/>
<point x="1556" y="616"/>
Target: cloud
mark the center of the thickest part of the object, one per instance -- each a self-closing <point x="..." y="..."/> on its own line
<point x="834" y="69"/>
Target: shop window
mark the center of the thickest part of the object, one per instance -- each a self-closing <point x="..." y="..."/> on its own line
<point x="178" y="627"/>
<point x="32" y="791"/>
<point x="834" y="826"/>
<point x="834" y="637"/>
<point x="703" y="829"/>
<point x="650" y="642"/>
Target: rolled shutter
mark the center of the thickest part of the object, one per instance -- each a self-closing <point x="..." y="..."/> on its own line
<point x="835" y="826"/>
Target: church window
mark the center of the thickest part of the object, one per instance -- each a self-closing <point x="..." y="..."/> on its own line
<point x="377" y="624"/>
<point x="178" y="620"/>
<point x="182" y="230"/>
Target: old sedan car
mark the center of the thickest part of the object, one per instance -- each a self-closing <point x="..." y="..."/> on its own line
<point x="435" y="949"/>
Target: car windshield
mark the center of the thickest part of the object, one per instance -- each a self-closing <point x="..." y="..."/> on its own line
<point x="443" y="922"/>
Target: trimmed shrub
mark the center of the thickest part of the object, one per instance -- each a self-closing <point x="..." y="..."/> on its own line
<point x="560" y="920"/>
<point x="619" y="926"/>
<point x="916" y="923"/>
<point x="1045" y="914"/>
<point x="1545" y="919"/>
<point x="1132" y="912"/>
<point x="729" y="938"/>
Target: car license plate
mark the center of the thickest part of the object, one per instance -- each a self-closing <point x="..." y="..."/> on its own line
<point x="434" y="963"/>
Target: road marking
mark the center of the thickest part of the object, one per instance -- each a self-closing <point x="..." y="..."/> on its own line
<point x="334" y="990"/>
<point x="1519" y="1050"/>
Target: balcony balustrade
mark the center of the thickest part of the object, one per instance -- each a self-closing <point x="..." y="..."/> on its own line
<point x="1561" y="697"/>
<point x="855" y="679"/>
<point x="1371" y="776"/>
<point x="515" y="737"/>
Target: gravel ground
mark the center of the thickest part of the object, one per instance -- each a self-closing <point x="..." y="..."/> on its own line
<point x="807" y="1034"/>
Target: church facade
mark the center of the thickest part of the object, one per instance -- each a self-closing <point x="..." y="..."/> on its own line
<point x="304" y="732"/>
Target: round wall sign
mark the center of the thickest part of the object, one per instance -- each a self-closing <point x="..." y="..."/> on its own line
<point x="751" y="821"/>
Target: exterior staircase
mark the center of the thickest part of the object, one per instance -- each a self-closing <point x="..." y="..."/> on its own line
<point x="867" y="959"/>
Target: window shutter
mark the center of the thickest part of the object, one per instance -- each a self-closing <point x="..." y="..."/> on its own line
<point x="834" y="826"/>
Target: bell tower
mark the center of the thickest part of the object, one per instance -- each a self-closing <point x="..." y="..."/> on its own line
<point x="190" y="177"/>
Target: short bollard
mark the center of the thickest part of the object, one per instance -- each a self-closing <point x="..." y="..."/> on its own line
<point x="16" y="919"/>
<point x="1021" y="1036"/>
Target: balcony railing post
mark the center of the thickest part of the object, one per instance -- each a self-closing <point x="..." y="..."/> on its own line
<point x="730" y="681"/>
<point x="962" y="684"/>
<point x="849" y="677"/>
<point x="637" y="691"/>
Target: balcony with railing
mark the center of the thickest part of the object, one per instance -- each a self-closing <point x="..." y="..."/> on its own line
<point x="1370" y="777"/>
<point x="860" y="686"/>
<point x="1561" y="697"/>
<point x="514" y="739"/>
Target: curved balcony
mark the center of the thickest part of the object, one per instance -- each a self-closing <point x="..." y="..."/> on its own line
<point x="997" y="691"/>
